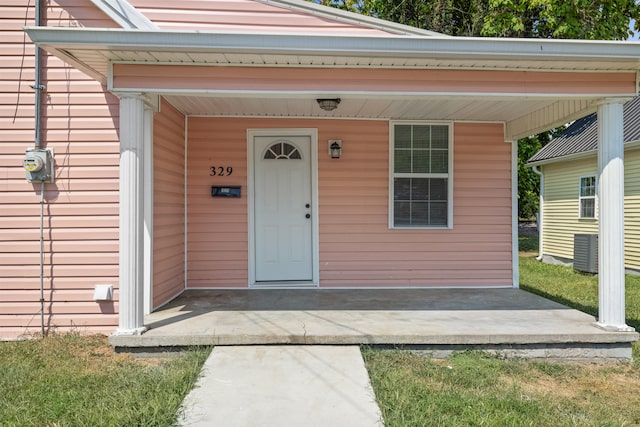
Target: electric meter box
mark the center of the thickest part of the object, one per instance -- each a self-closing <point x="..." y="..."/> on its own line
<point x="38" y="164"/>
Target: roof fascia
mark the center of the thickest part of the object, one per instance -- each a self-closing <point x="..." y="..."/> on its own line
<point x="125" y="15"/>
<point x="349" y="17"/>
<point x="362" y="46"/>
<point x="631" y="145"/>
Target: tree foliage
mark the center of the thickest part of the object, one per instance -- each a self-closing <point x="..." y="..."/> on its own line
<point x="562" y="19"/>
<point x="574" y="19"/>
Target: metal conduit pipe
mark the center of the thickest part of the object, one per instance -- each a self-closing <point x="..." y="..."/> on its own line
<point x="537" y="170"/>
<point x="38" y="87"/>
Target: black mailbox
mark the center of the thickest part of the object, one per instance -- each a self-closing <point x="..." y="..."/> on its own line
<point x="225" y="191"/>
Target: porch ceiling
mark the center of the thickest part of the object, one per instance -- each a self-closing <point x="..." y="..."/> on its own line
<point x="360" y="106"/>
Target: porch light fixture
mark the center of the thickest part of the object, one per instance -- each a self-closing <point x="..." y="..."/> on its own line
<point x="328" y="104"/>
<point x="335" y="148"/>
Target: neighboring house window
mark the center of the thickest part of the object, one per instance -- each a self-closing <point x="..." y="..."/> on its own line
<point x="421" y="181"/>
<point x="588" y="187"/>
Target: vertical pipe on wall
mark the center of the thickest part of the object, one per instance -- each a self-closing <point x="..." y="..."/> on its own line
<point x="540" y="222"/>
<point x="186" y="200"/>
<point x="38" y="87"/>
<point x="515" y="266"/>
<point x="42" y="331"/>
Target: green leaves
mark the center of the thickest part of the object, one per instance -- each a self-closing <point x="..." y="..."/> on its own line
<point x="575" y="19"/>
<point x="572" y="19"/>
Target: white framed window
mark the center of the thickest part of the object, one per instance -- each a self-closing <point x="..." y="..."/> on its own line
<point x="587" y="198"/>
<point x="421" y="175"/>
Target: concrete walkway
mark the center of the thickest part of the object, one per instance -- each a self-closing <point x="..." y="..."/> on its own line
<point x="244" y="386"/>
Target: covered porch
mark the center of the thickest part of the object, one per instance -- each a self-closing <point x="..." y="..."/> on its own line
<point x="513" y="322"/>
<point x="222" y="84"/>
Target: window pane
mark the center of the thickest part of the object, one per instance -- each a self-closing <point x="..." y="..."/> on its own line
<point x="402" y="161"/>
<point x="402" y="136"/>
<point x="588" y="208"/>
<point x="438" y="213"/>
<point x="438" y="189"/>
<point x="439" y="137"/>
<point x="588" y="186"/>
<point x="402" y="213"/>
<point x="420" y="189"/>
<point x="420" y="213"/>
<point x="402" y="189"/>
<point x="421" y="136"/>
<point x="439" y="161"/>
<point x="421" y="160"/>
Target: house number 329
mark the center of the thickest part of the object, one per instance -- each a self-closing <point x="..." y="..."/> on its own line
<point x="220" y="171"/>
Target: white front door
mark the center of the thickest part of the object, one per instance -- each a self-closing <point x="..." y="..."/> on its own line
<point x="283" y="209"/>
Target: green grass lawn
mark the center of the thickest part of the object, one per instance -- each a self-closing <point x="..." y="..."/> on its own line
<point x="477" y="389"/>
<point x="72" y="380"/>
<point x="574" y="289"/>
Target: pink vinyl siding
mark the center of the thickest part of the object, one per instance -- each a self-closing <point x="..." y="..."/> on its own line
<point x="217" y="228"/>
<point x="168" y="204"/>
<point x="81" y="207"/>
<point x="357" y="249"/>
<point x="136" y="76"/>
<point x="242" y="16"/>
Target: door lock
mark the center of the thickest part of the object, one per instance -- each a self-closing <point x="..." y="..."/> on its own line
<point x="307" y="206"/>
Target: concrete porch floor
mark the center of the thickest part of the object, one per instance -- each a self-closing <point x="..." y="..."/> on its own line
<point x="511" y="321"/>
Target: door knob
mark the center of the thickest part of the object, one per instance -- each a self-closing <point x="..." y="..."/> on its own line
<point x="307" y="216"/>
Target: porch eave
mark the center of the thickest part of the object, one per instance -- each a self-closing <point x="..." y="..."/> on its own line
<point x="96" y="48"/>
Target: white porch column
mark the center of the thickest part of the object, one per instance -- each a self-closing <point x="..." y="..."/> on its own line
<point x="611" y="310"/>
<point x="131" y="302"/>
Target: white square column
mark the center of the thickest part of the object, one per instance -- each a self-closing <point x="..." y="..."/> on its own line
<point x="132" y="241"/>
<point x="611" y="273"/>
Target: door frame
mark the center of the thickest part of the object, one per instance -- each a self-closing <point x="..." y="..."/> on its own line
<point x="312" y="133"/>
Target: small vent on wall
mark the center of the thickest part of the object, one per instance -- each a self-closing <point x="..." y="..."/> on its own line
<point x="585" y="253"/>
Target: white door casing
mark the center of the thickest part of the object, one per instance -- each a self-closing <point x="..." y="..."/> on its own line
<point x="283" y="207"/>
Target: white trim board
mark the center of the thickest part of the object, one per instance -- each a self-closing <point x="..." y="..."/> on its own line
<point x="125" y="15"/>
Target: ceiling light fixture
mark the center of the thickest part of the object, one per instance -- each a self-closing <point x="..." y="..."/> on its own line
<point x="328" y="104"/>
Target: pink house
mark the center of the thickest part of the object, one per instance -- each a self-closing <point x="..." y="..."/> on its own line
<point x="233" y="144"/>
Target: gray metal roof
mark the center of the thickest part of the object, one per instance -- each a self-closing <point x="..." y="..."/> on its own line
<point x="582" y="135"/>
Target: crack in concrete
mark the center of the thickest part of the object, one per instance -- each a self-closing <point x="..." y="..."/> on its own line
<point x="304" y="335"/>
